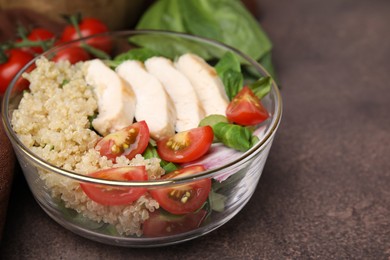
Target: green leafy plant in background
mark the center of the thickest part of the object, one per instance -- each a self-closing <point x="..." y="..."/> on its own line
<point x="226" y="21"/>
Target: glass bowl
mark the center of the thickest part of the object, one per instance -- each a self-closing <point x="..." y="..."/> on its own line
<point x="233" y="175"/>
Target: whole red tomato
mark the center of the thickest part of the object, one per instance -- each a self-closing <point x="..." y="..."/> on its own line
<point x="36" y="35"/>
<point x="73" y="54"/>
<point x="39" y="34"/>
<point x="89" y="26"/>
<point x="16" y="60"/>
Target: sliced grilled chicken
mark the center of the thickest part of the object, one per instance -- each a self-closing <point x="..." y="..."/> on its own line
<point x="116" y="100"/>
<point x="153" y="104"/>
<point x="208" y="86"/>
<point x="180" y="90"/>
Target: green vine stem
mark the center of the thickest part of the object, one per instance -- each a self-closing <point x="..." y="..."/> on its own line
<point x="3" y="56"/>
<point x="74" y="20"/>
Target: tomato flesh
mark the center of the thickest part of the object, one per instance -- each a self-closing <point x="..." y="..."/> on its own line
<point x="160" y="224"/>
<point x="246" y="109"/>
<point x="183" y="198"/>
<point x="129" y="141"/>
<point x="110" y="195"/>
<point x="186" y="146"/>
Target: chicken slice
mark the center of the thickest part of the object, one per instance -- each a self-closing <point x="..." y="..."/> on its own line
<point x="180" y="90"/>
<point x="116" y="100"/>
<point x="208" y="86"/>
<point x="153" y="104"/>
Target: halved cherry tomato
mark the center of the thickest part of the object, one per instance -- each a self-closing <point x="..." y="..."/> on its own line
<point x="160" y="224"/>
<point x="89" y="26"/>
<point x="73" y="54"/>
<point x="183" y="198"/>
<point x="186" y="146"/>
<point x="246" y="108"/>
<point x="129" y="141"/>
<point x="16" y="60"/>
<point x="109" y="195"/>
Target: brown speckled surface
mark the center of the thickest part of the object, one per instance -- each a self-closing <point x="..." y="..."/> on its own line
<point x="325" y="190"/>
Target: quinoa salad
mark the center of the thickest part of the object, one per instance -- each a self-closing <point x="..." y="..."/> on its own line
<point x="68" y="118"/>
<point x="52" y="121"/>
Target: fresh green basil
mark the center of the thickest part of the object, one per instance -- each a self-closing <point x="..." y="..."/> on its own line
<point x="151" y="152"/>
<point x="212" y="120"/>
<point x="234" y="136"/>
<point x="90" y="119"/>
<point x="77" y="218"/>
<point x="140" y="54"/>
<point x="217" y="201"/>
<point x="261" y="87"/>
<point x="168" y="166"/>
<point x="229" y="70"/>
<point x="227" y="21"/>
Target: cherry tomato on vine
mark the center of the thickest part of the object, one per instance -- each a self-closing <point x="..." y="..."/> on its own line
<point x="110" y="195"/>
<point x="246" y="109"/>
<point x="186" y="146"/>
<point x="183" y="198"/>
<point x="16" y="59"/>
<point x="73" y="54"/>
<point x="89" y="26"/>
<point x="129" y="141"/>
<point x="160" y="224"/>
<point x="39" y="34"/>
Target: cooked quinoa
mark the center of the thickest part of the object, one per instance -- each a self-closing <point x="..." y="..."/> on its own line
<point x="53" y="121"/>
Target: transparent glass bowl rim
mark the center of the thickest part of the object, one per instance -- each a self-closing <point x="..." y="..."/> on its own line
<point x="150" y="183"/>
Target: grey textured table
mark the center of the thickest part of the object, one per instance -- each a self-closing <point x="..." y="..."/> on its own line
<point x="325" y="190"/>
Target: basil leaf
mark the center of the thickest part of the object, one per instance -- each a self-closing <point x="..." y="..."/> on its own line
<point x="229" y="70"/>
<point x="234" y="136"/>
<point x="212" y="120"/>
<point x="169" y="166"/>
<point x="64" y="82"/>
<point x="228" y="61"/>
<point x="173" y="46"/>
<point x="198" y="18"/>
<point x="227" y="21"/>
<point x="217" y="201"/>
<point x="140" y="54"/>
<point x="151" y="152"/>
<point x="266" y="62"/>
<point x="261" y="87"/>
<point x="90" y="119"/>
<point x="77" y="218"/>
<point x="163" y="15"/>
<point x="109" y="229"/>
<point x="232" y="81"/>
<point x="167" y="15"/>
